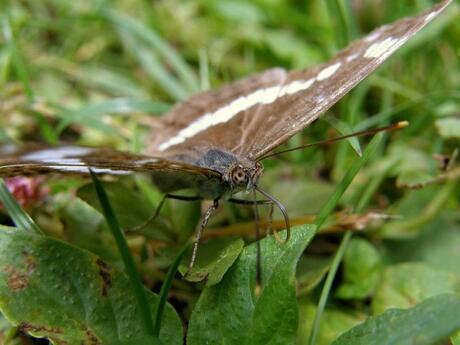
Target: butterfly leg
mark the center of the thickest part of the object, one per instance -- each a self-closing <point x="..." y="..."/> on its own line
<point x="155" y="214"/>
<point x="199" y="233"/>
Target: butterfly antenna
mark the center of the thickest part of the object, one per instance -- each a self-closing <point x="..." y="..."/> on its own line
<point x="283" y="211"/>
<point x="258" y="251"/>
<point x="392" y="127"/>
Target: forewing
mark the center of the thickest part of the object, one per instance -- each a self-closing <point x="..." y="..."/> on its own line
<point x="77" y="160"/>
<point x="251" y="117"/>
<point x="307" y="94"/>
<point x="187" y="127"/>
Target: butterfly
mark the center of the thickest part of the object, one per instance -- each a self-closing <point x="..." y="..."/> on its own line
<point x="213" y="142"/>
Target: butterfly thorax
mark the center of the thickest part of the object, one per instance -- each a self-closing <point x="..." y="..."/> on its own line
<point x="238" y="173"/>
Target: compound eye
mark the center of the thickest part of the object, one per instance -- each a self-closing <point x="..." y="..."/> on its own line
<point x="240" y="177"/>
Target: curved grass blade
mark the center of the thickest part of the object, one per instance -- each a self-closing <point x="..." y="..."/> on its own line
<point x="338" y="15"/>
<point x="346" y="181"/>
<point x="17" y="214"/>
<point x="20" y="65"/>
<point x="135" y="27"/>
<point x="126" y="256"/>
<point x="325" y="211"/>
<point x="166" y="287"/>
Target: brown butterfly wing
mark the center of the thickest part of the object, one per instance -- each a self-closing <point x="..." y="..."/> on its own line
<point x="168" y="175"/>
<point x="329" y="83"/>
<point x="251" y="117"/>
<point x="225" y="136"/>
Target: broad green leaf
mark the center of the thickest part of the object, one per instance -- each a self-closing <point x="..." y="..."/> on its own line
<point x="54" y="290"/>
<point x="404" y="285"/>
<point x="362" y="268"/>
<point x="429" y="322"/>
<point x="231" y="312"/>
<point x="214" y="258"/>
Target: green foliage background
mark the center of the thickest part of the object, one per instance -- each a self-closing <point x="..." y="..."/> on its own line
<point x="100" y="72"/>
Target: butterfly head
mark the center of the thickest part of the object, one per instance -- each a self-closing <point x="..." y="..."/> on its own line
<point x="243" y="176"/>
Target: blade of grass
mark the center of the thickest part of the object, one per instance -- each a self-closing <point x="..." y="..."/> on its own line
<point x="161" y="46"/>
<point x="339" y="22"/>
<point x="126" y="256"/>
<point x="325" y="211"/>
<point x="91" y="115"/>
<point x="104" y="78"/>
<point x="204" y="70"/>
<point x="18" y="59"/>
<point x="163" y="296"/>
<point x="15" y="211"/>
<point x="149" y="60"/>
<point x="5" y="64"/>
<point x="19" y="63"/>
<point x="344" y="128"/>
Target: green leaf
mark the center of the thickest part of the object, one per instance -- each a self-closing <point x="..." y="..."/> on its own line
<point x="231" y="312"/>
<point x="361" y="271"/>
<point x="413" y="165"/>
<point x="54" y="290"/>
<point x="214" y="258"/>
<point x="425" y="324"/>
<point x="405" y="285"/>
<point x="449" y="128"/>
